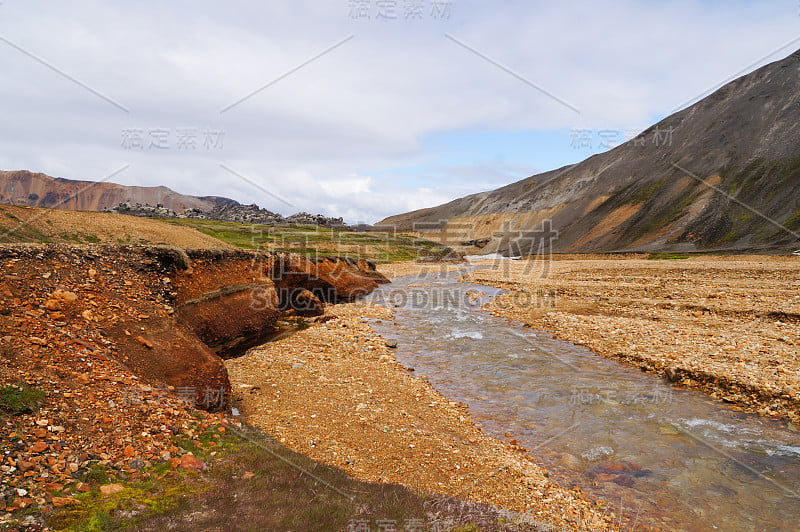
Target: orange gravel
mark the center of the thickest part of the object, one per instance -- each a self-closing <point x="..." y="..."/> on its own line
<point x="335" y="393"/>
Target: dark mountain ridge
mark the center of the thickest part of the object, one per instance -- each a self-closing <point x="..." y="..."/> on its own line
<point x="723" y="173"/>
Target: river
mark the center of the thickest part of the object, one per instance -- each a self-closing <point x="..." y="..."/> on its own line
<point x="660" y="455"/>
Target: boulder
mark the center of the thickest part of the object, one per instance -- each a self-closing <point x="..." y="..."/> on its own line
<point x="60" y="299"/>
<point x="305" y="303"/>
<point x="232" y="319"/>
<point x="331" y="279"/>
<point x="175" y="356"/>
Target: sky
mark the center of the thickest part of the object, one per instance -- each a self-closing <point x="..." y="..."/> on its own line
<point x="356" y="108"/>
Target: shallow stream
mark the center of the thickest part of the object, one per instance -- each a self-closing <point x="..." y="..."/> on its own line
<point x="661" y="456"/>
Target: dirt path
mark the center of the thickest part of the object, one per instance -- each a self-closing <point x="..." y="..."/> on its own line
<point x="334" y="392"/>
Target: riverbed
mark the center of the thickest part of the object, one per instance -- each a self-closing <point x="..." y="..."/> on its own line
<point x="662" y="455"/>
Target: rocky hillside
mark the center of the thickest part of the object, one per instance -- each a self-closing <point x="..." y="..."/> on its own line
<point x="720" y="174"/>
<point x="39" y="190"/>
<point x="102" y="348"/>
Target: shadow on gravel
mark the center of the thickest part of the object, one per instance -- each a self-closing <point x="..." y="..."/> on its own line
<point x="257" y="484"/>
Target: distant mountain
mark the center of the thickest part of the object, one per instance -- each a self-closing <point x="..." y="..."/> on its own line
<point x="721" y="174"/>
<point x="39" y="190"/>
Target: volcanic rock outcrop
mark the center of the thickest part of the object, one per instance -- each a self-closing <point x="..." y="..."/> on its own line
<point x="168" y="315"/>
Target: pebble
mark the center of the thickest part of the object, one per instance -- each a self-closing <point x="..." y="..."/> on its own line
<point x="111" y="489"/>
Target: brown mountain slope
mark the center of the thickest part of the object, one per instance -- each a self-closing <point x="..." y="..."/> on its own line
<point x="26" y="224"/>
<point x="727" y="178"/>
<point x="39" y="190"/>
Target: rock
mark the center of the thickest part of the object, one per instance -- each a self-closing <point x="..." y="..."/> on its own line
<point x="232" y="320"/>
<point x="177" y="358"/>
<point x="673" y="374"/>
<point x="391" y="343"/>
<point x="331" y="279"/>
<point x="144" y="342"/>
<point x="624" y="480"/>
<point x="605" y="477"/>
<point x="111" y="489"/>
<point x="60" y="299"/>
<point x="305" y="303"/>
<point x="570" y="461"/>
<point x="63" y="501"/>
<point x="39" y="447"/>
<point x="136" y="464"/>
<point x="36" y="340"/>
<point x="189" y="462"/>
<point x="129" y="451"/>
<point x="26" y="466"/>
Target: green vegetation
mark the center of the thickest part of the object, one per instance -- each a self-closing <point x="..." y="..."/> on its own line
<point x="768" y="175"/>
<point x="793" y="222"/>
<point x="745" y="180"/>
<point x="19" y="232"/>
<point x="764" y="180"/>
<point x="669" y="214"/>
<point x="20" y="399"/>
<point x="80" y="238"/>
<point x="312" y="240"/>
<point x="308" y="240"/>
<point x="260" y="485"/>
<point x="667" y="255"/>
<point x="645" y="193"/>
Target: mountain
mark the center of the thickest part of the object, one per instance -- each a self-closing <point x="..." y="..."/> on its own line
<point x="40" y="190"/>
<point x="726" y="179"/>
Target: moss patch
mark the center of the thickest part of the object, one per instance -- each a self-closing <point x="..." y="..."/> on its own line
<point x="20" y="399"/>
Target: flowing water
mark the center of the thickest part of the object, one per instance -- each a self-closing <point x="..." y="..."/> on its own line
<point x="660" y="456"/>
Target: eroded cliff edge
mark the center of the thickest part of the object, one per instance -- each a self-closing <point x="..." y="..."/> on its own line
<point x="168" y="315"/>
